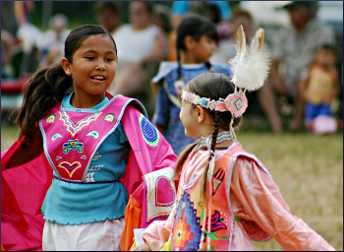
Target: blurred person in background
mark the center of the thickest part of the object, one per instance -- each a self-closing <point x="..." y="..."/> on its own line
<point x="215" y="11"/>
<point x="141" y="47"/>
<point x="226" y="47"/>
<point x="108" y="15"/>
<point x="28" y="35"/>
<point x="227" y="50"/>
<point x="162" y="18"/>
<point x="181" y="8"/>
<point x="7" y="42"/>
<point x="52" y="42"/>
<point x="196" y="41"/>
<point x="292" y="51"/>
<point x="319" y="89"/>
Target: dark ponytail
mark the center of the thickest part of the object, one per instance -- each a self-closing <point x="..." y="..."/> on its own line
<point x="47" y="87"/>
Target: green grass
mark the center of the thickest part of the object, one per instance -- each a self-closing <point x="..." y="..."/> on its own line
<point x="307" y="169"/>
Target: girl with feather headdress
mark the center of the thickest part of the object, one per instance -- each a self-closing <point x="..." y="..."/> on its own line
<point x="226" y="197"/>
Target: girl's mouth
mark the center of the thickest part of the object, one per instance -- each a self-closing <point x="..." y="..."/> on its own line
<point x="98" y="78"/>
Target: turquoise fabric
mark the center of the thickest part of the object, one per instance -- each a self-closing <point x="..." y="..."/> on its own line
<point x="71" y="203"/>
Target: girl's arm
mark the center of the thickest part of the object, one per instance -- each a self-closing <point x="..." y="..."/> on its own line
<point x="158" y="232"/>
<point x="262" y="203"/>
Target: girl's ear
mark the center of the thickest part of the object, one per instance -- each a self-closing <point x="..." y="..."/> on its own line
<point x="201" y="114"/>
<point x="66" y="65"/>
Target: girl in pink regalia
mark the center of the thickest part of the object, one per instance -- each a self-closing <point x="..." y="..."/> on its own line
<point x="88" y="168"/>
<point x="226" y="197"/>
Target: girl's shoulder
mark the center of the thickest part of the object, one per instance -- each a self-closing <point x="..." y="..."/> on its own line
<point x="237" y="156"/>
<point x="165" y="68"/>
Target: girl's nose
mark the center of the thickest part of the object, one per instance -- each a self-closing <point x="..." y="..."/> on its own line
<point x="100" y="65"/>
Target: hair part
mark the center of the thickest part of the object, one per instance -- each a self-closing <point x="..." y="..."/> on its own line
<point x="48" y="86"/>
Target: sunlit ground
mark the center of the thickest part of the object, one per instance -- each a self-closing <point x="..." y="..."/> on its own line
<point x="308" y="170"/>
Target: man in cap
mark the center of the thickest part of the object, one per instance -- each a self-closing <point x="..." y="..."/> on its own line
<point x="293" y="49"/>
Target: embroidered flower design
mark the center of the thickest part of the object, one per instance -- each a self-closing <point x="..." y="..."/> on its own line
<point x="216" y="222"/>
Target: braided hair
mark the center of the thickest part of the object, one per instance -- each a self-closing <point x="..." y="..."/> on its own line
<point x="196" y="27"/>
<point x="48" y="86"/>
<point x="214" y="86"/>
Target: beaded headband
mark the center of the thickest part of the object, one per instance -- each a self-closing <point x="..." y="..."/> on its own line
<point x="250" y="68"/>
<point x="235" y="103"/>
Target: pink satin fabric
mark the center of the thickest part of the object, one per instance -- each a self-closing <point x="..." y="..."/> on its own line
<point x="256" y="200"/>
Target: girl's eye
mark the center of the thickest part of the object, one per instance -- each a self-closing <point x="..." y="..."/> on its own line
<point x="110" y="59"/>
<point x="89" y="57"/>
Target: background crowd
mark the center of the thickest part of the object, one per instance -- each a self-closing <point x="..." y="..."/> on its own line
<point x="33" y="36"/>
<point x="303" y="38"/>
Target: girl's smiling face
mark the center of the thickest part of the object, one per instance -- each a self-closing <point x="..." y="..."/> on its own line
<point x="92" y="67"/>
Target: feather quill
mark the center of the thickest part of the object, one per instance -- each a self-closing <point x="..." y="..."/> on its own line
<point x="251" y="64"/>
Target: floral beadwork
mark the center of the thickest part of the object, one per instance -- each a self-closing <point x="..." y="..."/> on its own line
<point x="217" y="222"/>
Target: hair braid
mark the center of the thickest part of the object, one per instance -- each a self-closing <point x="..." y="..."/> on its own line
<point x="213" y="145"/>
<point x="214" y="135"/>
<point x="211" y="156"/>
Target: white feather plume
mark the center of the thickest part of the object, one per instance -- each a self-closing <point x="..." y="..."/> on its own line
<point x="250" y="65"/>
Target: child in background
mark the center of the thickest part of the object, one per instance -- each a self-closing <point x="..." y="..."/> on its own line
<point x="226" y="197"/>
<point x="92" y="163"/>
<point x="196" y="41"/>
<point x="320" y="90"/>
